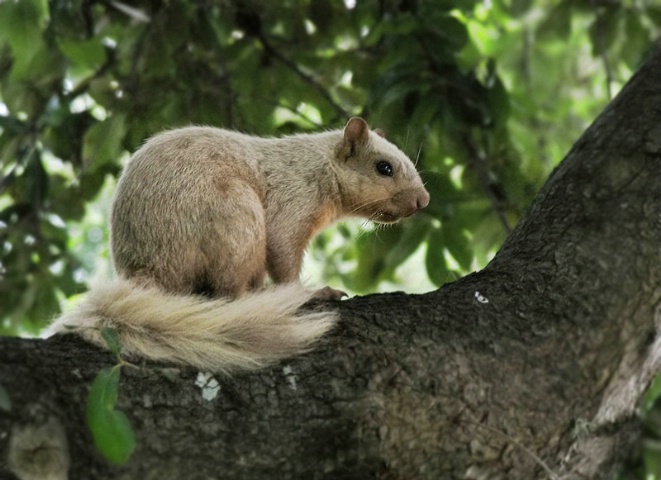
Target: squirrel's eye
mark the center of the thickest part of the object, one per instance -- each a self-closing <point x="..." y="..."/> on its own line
<point x="384" y="168"/>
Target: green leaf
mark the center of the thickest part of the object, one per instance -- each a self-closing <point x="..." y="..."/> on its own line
<point x="458" y="245"/>
<point x="351" y="95"/>
<point x="20" y="97"/>
<point x="371" y="249"/>
<point x="437" y="267"/>
<point x="413" y="234"/>
<point x="5" y="401"/>
<point x="103" y="142"/>
<point x="451" y="30"/>
<point x="637" y="39"/>
<point x="66" y="198"/>
<point x="85" y="53"/>
<point x="557" y="25"/>
<point x="111" y="337"/>
<point x="499" y="101"/>
<point x="443" y="194"/>
<point x="604" y="30"/>
<point x="91" y="183"/>
<point x="653" y="393"/>
<point x="67" y="282"/>
<point x="45" y="304"/>
<point x="21" y="25"/>
<point x="37" y="180"/>
<point x="111" y="430"/>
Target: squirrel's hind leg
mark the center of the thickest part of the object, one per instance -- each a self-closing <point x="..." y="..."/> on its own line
<point x="236" y="247"/>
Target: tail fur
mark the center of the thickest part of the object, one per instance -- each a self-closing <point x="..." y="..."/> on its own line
<point x="218" y="335"/>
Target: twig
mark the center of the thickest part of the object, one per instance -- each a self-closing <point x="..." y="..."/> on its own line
<point x="493" y="193"/>
<point x="602" y="51"/>
<point x="306" y="77"/>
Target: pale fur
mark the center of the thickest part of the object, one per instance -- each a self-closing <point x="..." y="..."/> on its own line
<point x="202" y="215"/>
<point x="218" y="335"/>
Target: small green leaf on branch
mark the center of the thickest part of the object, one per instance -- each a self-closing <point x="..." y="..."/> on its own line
<point x="111" y="430"/>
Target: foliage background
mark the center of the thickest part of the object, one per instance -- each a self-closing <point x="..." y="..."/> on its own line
<point x="486" y="96"/>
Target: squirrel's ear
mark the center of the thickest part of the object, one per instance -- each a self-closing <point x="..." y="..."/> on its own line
<point x="356" y="133"/>
<point x="380" y="132"/>
<point x="356" y="130"/>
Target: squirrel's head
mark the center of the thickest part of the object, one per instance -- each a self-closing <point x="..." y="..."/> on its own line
<point x="378" y="181"/>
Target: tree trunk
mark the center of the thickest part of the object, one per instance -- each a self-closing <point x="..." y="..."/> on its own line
<point x="531" y="368"/>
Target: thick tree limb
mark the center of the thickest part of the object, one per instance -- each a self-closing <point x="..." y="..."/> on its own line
<point x="531" y="368"/>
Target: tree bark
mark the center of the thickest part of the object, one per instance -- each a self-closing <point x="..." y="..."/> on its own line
<point x="530" y="368"/>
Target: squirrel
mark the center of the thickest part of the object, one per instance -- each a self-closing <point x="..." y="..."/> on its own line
<point x="201" y="215"/>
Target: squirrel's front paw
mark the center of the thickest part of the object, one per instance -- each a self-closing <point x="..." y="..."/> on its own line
<point x="328" y="293"/>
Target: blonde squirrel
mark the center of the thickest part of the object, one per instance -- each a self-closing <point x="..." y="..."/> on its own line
<point x="201" y="215"/>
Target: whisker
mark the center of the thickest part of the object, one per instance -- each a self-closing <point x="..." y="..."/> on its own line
<point x="380" y="227"/>
<point x="417" y="157"/>
<point x="359" y="206"/>
<point x="361" y="230"/>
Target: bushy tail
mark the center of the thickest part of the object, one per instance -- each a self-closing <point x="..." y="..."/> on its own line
<point x="217" y="335"/>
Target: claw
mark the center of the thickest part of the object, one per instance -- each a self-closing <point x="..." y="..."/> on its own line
<point x="328" y="293"/>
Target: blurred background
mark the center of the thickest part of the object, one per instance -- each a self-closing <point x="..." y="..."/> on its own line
<point x="487" y="97"/>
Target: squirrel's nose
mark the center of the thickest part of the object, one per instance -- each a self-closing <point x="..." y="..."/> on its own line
<point x="423" y="199"/>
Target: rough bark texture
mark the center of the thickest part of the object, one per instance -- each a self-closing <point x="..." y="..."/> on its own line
<point x="531" y="368"/>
